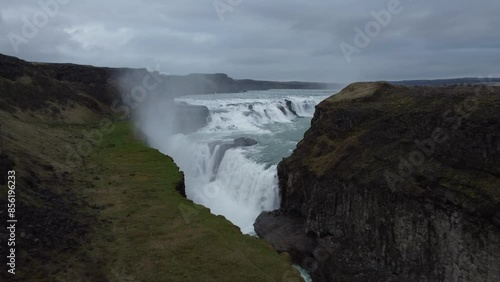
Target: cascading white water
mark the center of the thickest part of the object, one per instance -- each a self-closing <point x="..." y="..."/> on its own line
<point x="238" y="189"/>
<point x="237" y="182"/>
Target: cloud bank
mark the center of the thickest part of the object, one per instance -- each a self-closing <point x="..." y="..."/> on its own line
<point x="274" y="40"/>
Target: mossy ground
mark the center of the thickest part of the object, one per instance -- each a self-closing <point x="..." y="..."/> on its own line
<point x="140" y="227"/>
<point x="151" y="233"/>
<point x="113" y="214"/>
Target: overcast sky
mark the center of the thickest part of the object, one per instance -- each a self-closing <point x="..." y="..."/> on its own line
<point x="262" y="39"/>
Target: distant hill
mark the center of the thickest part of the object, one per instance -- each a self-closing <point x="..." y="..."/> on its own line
<point x="93" y="202"/>
<point x="172" y="85"/>
<point x="222" y="83"/>
<point x="450" y="81"/>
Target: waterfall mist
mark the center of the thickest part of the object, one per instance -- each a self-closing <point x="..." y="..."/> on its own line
<point x="234" y="142"/>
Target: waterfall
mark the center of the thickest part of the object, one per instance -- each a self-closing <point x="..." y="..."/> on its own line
<point x="238" y="182"/>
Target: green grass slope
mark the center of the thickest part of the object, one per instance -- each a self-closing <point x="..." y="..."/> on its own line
<point x="105" y="207"/>
<point x="148" y="232"/>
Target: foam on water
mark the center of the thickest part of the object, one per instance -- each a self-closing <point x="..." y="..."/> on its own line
<point x="230" y="114"/>
<point x="238" y="183"/>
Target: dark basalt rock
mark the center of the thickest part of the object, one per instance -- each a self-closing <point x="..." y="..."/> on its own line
<point x="282" y="110"/>
<point x="289" y="106"/>
<point x="189" y="118"/>
<point x="181" y="186"/>
<point x="6" y="164"/>
<point x="286" y="234"/>
<point x="244" y="142"/>
<point x="394" y="184"/>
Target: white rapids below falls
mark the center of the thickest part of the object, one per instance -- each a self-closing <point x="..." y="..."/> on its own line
<point x="240" y="182"/>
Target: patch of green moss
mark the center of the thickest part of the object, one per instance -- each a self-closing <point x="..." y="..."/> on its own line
<point x="366" y="129"/>
<point x="358" y="90"/>
<point x="25" y="80"/>
<point x="475" y="185"/>
<point x="152" y="233"/>
<point x="326" y="153"/>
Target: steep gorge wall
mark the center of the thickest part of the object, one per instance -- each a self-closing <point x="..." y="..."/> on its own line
<point x="73" y="222"/>
<point x="394" y="184"/>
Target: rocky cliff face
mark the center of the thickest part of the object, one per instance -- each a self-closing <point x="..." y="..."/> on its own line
<point x="394" y="184"/>
<point x="63" y="131"/>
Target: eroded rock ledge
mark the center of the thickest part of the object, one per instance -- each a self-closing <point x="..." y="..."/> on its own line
<point x="394" y="184"/>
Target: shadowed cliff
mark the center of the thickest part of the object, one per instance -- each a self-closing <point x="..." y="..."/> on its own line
<point x="395" y="183"/>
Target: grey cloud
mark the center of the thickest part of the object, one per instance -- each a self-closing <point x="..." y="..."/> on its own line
<point x="276" y="40"/>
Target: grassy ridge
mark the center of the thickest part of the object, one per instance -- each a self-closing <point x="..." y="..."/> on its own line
<point x="113" y="214"/>
<point x="148" y="232"/>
